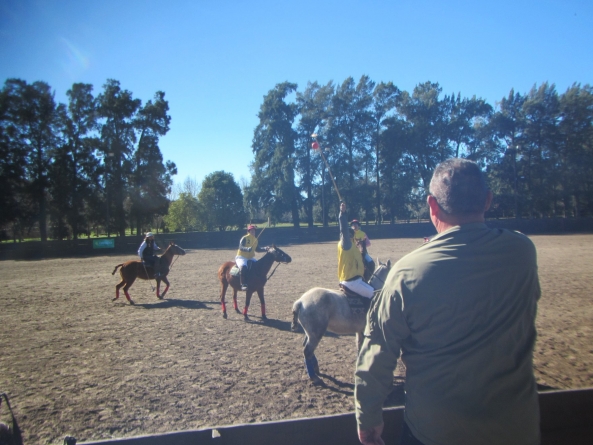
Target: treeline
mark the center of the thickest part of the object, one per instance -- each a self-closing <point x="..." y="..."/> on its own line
<point x="95" y="163"/>
<point x="382" y="145"/>
<point x="73" y="167"/>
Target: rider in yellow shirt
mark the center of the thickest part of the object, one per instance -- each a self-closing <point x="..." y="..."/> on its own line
<point x="350" y="264"/>
<point x="246" y="253"/>
<point x="360" y="237"/>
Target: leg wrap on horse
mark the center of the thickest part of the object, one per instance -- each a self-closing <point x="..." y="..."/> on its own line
<point x="311" y="364"/>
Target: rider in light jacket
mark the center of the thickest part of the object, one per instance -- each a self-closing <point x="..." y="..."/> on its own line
<point x="146" y="253"/>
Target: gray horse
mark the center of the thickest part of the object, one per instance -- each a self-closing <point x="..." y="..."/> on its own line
<point x="320" y="310"/>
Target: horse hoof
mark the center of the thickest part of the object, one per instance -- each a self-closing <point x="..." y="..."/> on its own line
<point x="264" y="318"/>
<point x="160" y="297"/>
<point x="224" y="315"/>
<point x="246" y="317"/>
<point x="237" y="311"/>
<point x="132" y="302"/>
<point x="114" y="299"/>
<point x="316" y="381"/>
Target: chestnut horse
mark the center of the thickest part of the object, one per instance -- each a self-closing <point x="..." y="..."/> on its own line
<point x="256" y="279"/>
<point x="130" y="270"/>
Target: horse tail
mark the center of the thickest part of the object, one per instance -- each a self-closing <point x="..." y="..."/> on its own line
<point x="296" y="308"/>
<point x="119" y="265"/>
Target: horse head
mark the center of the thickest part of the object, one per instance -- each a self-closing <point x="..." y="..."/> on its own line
<point x="175" y="249"/>
<point x="279" y="255"/>
<point x="377" y="280"/>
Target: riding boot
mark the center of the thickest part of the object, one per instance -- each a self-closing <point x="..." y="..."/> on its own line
<point x="243" y="276"/>
<point x="157" y="267"/>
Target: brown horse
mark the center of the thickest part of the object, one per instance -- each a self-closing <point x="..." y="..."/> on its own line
<point x="130" y="270"/>
<point x="256" y="280"/>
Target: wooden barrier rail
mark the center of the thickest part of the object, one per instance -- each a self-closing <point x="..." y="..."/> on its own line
<point x="566" y="418"/>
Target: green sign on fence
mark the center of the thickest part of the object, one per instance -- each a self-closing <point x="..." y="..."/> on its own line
<point x="104" y="243"/>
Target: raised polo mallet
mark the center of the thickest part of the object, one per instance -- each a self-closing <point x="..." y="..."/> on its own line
<point x="315" y="146"/>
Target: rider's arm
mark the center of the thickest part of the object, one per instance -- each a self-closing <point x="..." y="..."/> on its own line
<point x="344" y="230"/>
<point x="242" y="247"/>
<point x="141" y="249"/>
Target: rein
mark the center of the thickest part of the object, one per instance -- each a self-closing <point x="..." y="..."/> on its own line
<point x="173" y="262"/>
<point x="274" y="271"/>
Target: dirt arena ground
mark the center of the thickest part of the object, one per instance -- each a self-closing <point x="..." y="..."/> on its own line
<point x="76" y="363"/>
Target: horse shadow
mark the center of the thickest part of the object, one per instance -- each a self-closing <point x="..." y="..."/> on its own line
<point x="172" y="302"/>
<point x="336" y="385"/>
<point x="279" y="325"/>
<point x="395" y="398"/>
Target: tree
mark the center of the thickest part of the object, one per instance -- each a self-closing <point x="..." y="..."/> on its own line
<point x="150" y="179"/>
<point x="576" y="156"/>
<point x="541" y="111"/>
<point x="222" y="201"/>
<point x="35" y="120"/>
<point x="384" y="100"/>
<point x="312" y="106"/>
<point x="184" y="214"/>
<point x="12" y="155"/>
<point x="427" y="143"/>
<point x="75" y="171"/>
<point x="507" y="125"/>
<point x="348" y="134"/>
<point x="117" y="107"/>
<point x="273" y="185"/>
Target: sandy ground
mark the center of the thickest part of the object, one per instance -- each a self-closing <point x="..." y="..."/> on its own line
<point x="76" y="363"/>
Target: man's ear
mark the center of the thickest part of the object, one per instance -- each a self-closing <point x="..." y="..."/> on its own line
<point x="433" y="205"/>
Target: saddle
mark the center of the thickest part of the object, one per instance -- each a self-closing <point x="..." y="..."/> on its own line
<point x="236" y="271"/>
<point x="359" y="305"/>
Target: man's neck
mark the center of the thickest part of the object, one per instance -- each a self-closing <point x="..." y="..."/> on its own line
<point x="451" y="221"/>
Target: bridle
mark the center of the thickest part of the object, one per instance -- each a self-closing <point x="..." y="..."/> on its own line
<point x="375" y="276"/>
<point x="279" y="262"/>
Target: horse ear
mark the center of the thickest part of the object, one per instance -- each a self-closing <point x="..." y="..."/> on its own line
<point x="389" y="263"/>
<point x="171" y="243"/>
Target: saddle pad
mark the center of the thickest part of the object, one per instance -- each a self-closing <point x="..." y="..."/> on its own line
<point x="235" y="271"/>
<point x="358" y="304"/>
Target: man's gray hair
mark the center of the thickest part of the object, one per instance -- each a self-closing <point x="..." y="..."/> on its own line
<point x="459" y="187"/>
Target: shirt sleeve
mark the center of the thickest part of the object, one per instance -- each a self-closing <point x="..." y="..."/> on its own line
<point x="385" y="329"/>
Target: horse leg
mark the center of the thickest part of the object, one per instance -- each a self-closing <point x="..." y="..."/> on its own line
<point x="235" y="304"/>
<point x="126" y="287"/>
<point x="262" y="302"/>
<point x="311" y="363"/>
<point x="248" y="293"/>
<point x="158" y="282"/>
<point x="117" y="288"/>
<point x="223" y="287"/>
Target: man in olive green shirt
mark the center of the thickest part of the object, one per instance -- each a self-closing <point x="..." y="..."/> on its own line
<point x="461" y="311"/>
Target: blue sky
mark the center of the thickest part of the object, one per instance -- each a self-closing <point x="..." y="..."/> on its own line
<point x="216" y="59"/>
